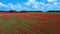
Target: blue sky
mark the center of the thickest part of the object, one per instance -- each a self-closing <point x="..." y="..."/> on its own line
<point x="30" y="5"/>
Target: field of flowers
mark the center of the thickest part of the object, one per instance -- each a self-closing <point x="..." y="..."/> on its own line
<point x="29" y="23"/>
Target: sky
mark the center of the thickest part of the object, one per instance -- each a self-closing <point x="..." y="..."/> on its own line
<point x="30" y="5"/>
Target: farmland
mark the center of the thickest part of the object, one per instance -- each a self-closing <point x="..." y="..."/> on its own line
<point x="29" y="23"/>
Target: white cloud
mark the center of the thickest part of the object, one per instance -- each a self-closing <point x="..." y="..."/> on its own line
<point x="32" y="5"/>
<point x="11" y="6"/>
<point x="43" y="6"/>
<point x="19" y="6"/>
<point x="51" y="0"/>
<point x="29" y="2"/>
<point x="1" y="5"/>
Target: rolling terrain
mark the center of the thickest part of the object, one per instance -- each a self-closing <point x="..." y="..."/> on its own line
<point x="29" y="23"/>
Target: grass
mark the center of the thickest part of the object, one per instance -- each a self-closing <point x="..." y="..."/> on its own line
<point x="29" y="23"/>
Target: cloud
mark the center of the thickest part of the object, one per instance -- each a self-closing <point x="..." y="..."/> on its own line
<point x="29" y="2"/>
<point x="51" y="0"/>
<point x="19" y="7"/>
<point x="8" y="6"/>
<point x="1" y="5"/>
<point x="11" y="6"/>
<point x="43" y="6"/>
<point x="35" y="5"/>
<point x="32" y="5"/>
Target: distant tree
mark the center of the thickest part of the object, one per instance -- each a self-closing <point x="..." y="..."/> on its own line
<point x="12" y="11"/>
<point x="3" y="11"/>
<point x="30" y="11"/>
<point x="54" y="11"/>
<point x="23" y="11"/>
<point x="51" y="11"/>
<point x="58" y="10"/>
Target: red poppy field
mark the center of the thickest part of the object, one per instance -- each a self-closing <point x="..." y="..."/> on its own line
<point x="30" y="23"/>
